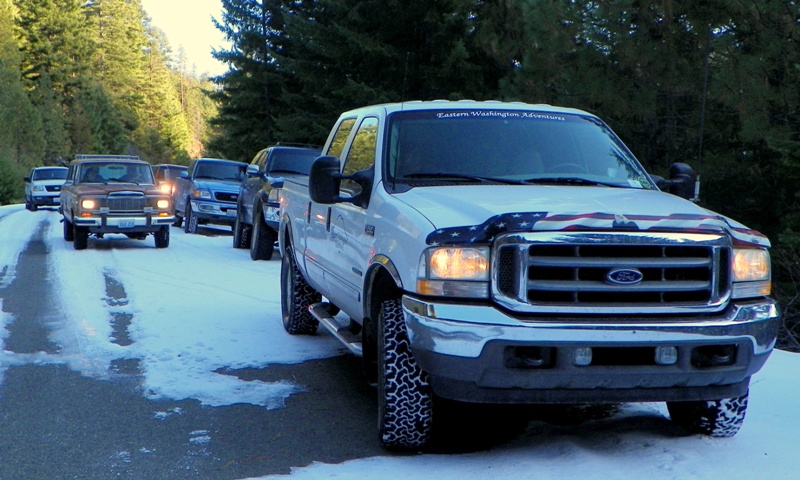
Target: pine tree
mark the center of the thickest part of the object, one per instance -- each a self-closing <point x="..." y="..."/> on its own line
<point x="21" y="135"/>
<point x="250" y="92"/>
<point x="163" y="132"/>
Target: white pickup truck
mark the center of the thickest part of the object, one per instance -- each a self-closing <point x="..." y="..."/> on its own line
<point x="513" y="253"/>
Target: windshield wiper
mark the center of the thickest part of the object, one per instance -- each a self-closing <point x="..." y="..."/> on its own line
<point x="459" y="176"/>
<point x="571" y="181"/>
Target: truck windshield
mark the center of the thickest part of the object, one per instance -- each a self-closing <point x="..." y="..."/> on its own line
<point x="517" y="147"/>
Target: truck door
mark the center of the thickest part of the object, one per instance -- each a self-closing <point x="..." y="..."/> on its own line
<point x="349" y="239"/>
<point x="316" y="219"/>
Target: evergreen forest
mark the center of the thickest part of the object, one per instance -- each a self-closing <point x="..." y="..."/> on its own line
<point x="715" y="84"/>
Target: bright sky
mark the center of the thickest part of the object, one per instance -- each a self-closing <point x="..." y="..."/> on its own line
<point x="237" y="324"/>
<point x="188" y="23"/>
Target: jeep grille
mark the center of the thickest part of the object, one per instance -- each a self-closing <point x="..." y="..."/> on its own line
<point x="632" y="272"/>
<point x="126" y="202"/>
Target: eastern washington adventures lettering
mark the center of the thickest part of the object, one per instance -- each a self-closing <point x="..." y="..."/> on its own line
<point x="501" y="114"/>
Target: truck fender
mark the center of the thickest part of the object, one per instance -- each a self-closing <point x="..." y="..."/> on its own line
<point x="382" y="282"/>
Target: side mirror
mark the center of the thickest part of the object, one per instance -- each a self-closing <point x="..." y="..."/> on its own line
<point x="324" y="180"/>
<point x="252" y="170"/>
<point x="183" y="174"/>
<point x="26" y="179"/>
<point x="682" y="180"/>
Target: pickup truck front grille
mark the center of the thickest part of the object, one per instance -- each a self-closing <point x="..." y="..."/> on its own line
<point x="591" y="272"/>
<point x="126" y="202"/>
<point x="226" y="197"/>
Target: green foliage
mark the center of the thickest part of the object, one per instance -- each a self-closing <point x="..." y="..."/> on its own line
<point x="94" y="77"/>
<point x="714" y="84"/>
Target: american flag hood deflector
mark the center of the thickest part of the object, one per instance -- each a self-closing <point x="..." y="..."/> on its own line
<point x="542" y="221"/>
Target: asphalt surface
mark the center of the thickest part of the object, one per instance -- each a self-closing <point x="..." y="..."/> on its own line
<point x="57" y="424"/>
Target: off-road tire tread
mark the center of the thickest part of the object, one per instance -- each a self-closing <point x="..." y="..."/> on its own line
<point x="405" y="398"/>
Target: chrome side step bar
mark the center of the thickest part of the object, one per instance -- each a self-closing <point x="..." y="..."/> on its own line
<point x="343" y="333"/>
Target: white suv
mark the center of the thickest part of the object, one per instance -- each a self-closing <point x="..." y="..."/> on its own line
<point x="43" y="186"/>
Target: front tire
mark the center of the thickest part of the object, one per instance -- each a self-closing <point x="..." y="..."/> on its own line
<point x="191" y="219"/>
<point x="81" y="237"/>
<point x="262" y="243"/>
<point x="405" y="398"/>
<point x="162" y="237"/>
<point x="715" y="418"/>
<point x="69" y="233"/>
<point x="296" y="296"/>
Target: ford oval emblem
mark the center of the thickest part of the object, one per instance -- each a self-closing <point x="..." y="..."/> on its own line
<point x="624" y="276"/>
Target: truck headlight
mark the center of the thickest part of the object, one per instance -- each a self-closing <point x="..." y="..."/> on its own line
<point x="752" y="275"/>
<point x="39" y="188"/>
<point x="162" y="204"/>
<point x="454" y="272"/>
<point x="88" y="204"/>
<point x="201" y="194"/>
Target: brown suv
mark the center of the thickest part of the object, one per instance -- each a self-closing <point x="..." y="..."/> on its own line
<point x="113" y="194"/>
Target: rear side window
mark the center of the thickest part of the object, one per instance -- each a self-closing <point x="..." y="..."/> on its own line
<point x="340" y="138"/>
<point x="293" y="161"/>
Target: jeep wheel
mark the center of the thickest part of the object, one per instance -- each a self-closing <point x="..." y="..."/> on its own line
<point x="162" y="237"/>
<point x="241" y="233"/>
<point x="81" y="237"/>
<point x="262" y="243"/>
<point x="715" y="418"/>
<point x="405" y="398"/>
<point x="69" y="233"/>
<point x="296" y="296"/>
<point x="191" y="219"/>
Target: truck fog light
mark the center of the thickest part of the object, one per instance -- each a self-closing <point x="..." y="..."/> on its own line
<point x="582" y="357"/>
<point x="666" y="355"/>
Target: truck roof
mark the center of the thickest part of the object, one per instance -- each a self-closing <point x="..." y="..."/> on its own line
<point x="106" y="158"/>
<point x="468" y="105"/>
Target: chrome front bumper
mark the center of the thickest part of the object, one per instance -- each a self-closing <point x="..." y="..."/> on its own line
<point x="479" y="359"/>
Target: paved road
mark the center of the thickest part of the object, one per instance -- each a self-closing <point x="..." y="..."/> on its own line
<point x="57" y="424"/>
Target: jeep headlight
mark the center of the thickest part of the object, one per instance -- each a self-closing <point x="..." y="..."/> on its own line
<point x="752" y="275"/>
<point x="88" y="204"/>
<point x="200" y="193"/>
<point x="454" y="272"/>
<point x="163" y="204"/>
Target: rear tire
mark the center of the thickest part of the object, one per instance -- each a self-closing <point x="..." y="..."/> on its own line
<point x="296" y="296"/>
<point x="241" y="232"/>
<point x="262" y="243"/>
<point x="405" y="398"/>
<point x="162" y="237"/>
<point x="715" y="418"/>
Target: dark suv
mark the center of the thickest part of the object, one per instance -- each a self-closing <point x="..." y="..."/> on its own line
<point x="257" y="209"/>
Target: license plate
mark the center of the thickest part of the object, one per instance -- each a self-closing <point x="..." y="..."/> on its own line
<point x="126" y="223"/>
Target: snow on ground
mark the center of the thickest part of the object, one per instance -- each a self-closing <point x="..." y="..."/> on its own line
<point x="200" y="306"/>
